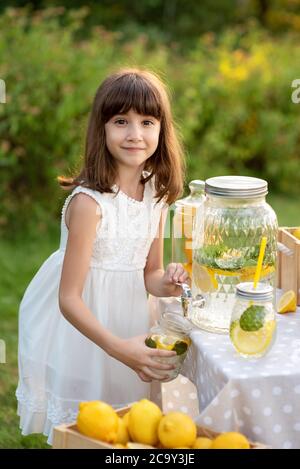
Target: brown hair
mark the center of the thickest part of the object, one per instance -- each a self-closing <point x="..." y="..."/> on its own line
<point x="145" y="93"/>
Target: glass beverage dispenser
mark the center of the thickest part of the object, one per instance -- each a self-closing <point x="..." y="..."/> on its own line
<point x="227" y="236"/>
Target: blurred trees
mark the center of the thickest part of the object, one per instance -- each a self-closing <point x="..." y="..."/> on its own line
<point x="231" y="99"/>
<point x="180" y="21"/>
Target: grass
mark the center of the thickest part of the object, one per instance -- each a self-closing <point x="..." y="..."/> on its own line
<point x="19" y="261"/>
<point x="18" y="264"/>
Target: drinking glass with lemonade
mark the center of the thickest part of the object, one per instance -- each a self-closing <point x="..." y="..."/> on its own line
<point x="171" y="332"/>
<point x="253" y="324"/>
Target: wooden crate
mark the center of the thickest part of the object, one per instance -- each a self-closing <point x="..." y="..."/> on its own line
<point x="67" y="436"/>
<point x="288" y="267"/>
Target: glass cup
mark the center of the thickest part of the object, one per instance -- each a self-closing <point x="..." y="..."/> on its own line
<point x="171" y="332"/>
<point x="253" y="323"/>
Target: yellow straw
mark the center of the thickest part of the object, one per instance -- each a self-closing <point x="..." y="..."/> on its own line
<point x="260" y="260"/>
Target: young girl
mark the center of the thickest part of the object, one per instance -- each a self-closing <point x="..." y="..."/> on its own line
<point x="84" y="316"/>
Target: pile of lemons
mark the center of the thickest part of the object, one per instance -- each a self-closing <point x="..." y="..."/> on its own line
<point x="145" y="425"/>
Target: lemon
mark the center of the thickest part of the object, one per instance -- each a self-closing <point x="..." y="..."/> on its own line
<point x="125" y="419"/>
<point x="150" y="342"/>
<point x="165" y="342"/>
<point x="122" y="435"/>
<point x="252" y="342"/>
<point x="296" y="233"/>
<point x="97" y="419"/>
<point x="230" y="440"/>
<point x="176" y="430"/>
<point x="181" y="346"/>
<point x="132" y="445"/>
<point x="202" y="443"/>
<point x="204" y="278"/>
<point x="144" y="417"/>
<point x="287" y="303"/>
<point x="168" y="342"/>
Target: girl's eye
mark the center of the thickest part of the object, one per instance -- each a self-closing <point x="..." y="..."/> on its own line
<point x="120" y="121"/>
<point x="147" y="123"/>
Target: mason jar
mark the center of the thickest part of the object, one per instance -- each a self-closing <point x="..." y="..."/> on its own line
<point x="171" y="332"/>
<point x="253" y="320"/>
<point x="227" y="240"/>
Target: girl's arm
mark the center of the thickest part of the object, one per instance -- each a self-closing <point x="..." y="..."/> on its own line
<point x="83" y="220"/>
<point x="159" y="282"/>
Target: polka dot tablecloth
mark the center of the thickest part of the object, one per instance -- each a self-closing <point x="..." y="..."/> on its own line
<point x="259" y="397"/>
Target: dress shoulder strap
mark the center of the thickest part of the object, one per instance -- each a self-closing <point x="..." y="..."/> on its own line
<point x="84" y="190"/>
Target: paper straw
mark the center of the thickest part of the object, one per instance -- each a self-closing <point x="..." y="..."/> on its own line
<point x="260" y="260"/>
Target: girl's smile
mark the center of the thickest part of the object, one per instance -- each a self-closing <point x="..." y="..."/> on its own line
<point x="134" y="149"/>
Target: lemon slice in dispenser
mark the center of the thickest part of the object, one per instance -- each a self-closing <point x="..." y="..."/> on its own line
<point x="204" y="278"/>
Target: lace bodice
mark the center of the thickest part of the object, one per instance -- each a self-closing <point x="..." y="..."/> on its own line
<point x="126" y="230"/>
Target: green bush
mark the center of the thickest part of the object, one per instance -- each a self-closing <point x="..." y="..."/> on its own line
<point x="231" y="98"/>
<point x="51" y="80"/>
<point x="237" y="110"/>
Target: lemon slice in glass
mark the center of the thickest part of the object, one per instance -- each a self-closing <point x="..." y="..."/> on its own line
<point x="252" y="342"/>
<point x="164" y="342"/>
<point x="287" y="303"/>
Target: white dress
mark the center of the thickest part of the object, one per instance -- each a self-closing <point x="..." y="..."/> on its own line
<point x="58" y="366"/>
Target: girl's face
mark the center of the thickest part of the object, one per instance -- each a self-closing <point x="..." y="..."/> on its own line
<point x="132" y="138"/>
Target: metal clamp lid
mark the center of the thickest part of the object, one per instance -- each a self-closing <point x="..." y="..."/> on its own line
<point x="263" y="291"/>
<point x="238" y="187"/>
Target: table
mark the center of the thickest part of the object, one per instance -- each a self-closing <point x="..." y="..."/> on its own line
<point x="259" y="397"/>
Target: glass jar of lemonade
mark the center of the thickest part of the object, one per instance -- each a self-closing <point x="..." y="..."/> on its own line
<point x="253" y="323"/>
<point x="171" y="332"/>
<point x="227" y="240"/>
<point x="183" y="224"/>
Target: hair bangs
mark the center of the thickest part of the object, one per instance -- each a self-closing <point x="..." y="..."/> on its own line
<point x="132" y="92"/>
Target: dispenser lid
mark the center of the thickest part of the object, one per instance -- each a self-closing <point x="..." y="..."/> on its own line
<point x="238" y="187"/>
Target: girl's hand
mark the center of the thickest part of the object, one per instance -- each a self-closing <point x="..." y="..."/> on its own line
<point x="135" y="354"/>
<point x="175" y="273"/>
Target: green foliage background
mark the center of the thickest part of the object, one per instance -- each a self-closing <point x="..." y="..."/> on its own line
<point x="231" y="96"/>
